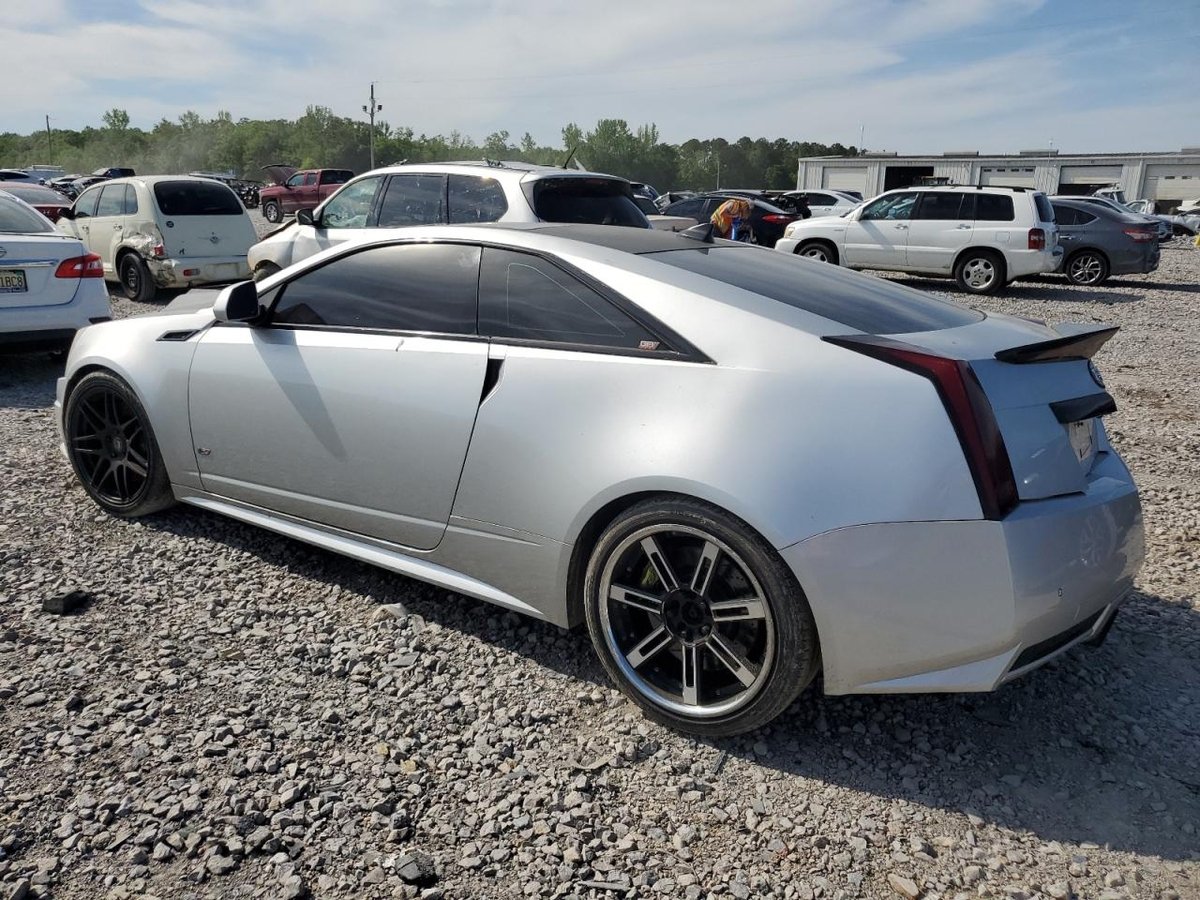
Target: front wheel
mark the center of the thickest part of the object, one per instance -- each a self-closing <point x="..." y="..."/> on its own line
<point x="697" y="619"/>
<point x="819" y="251"/>
<point x="112" y="448"/>
<point x="272" y="212"/>
<point x="980" y="272"/>
<point x="1087" y="268"/>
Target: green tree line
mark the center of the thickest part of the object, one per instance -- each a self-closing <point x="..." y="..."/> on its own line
<point x="319" y="138"/>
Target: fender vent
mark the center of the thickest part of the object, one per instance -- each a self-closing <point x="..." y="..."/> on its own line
<point x="177" y="335"/>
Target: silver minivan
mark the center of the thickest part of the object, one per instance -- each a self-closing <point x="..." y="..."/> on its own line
<point x="163" y="231"/>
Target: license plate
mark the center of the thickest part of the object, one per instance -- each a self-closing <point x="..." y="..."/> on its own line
<point x="1083" y="438"/>
<point x="12" y="281"/>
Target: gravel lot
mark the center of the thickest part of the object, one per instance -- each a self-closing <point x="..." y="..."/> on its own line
<point x="239" y="715"/>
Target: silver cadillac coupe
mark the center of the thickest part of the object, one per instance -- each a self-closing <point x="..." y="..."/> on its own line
<point x="739" y="468"/>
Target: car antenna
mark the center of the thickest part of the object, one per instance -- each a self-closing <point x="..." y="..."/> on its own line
<point x="701" y="233"/>
<point x="566" y="162"/>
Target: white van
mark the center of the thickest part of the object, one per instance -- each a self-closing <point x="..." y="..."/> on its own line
<point x="163" y="231"/>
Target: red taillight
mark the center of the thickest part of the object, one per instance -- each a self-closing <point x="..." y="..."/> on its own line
<point x="969" y="411"/>
<point x="158" y="249"/>
<point x="89" y="266"/>
<point x="776" y="219"/>
<point x="1141" y="235"/>
<point x="1037" y="239"/>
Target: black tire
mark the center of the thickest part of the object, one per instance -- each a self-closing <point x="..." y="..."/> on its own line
<point x="272" y="212"/>
<point x="821" y="251"/>
<point x="112" y="448"/>
<point x="980" y="272"/>
<point x="264" y="270"/>
<point x="770" y="639"/>
<point x="1086" y="268"/>
<point x="136" y="282"/>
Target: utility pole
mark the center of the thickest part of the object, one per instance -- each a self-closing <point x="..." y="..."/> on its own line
<point x="370" y="110"/>
<point x="49" y="142"/>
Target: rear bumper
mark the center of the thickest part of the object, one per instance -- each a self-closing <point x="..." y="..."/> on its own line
<point x="174" y="273"/>
<point x="50" y="325"/>
<point x="967" y="606"/>
<point x="1033" y="262"/>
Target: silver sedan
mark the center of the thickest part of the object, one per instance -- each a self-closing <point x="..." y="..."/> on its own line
<point x="736" y="467"/>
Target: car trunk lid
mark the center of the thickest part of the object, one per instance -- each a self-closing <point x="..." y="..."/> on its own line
<point x="1044" y="392"/>
<point x="28" y="267"/>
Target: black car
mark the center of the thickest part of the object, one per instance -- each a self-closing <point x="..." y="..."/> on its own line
<point x="767" y="221"/>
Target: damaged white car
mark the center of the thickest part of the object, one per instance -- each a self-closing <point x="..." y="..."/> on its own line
<point x="165" y="231"/>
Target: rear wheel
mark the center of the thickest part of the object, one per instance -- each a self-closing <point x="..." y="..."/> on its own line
<point x="821" y="251"/>
<point x="1086" y="268"/>
<point x="135" y="278"/>
<point x="265" y="270"/>
<point x="272" y="211"/>
<point x="697" y="619"/>
<point x="112" y="449"/>
<point x="980" y="272"/>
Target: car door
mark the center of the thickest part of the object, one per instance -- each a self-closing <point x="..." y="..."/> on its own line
<point x="80" y="223"/>
<point x="878" y="236"/>
<point x="292" y="196"/>
<point x="473" y="198"/>
<point x="821" y="204"/>
<point x="940" y="227"/>
<point x="108" y="225"/>
<point x="352" y="404"/>
<point x="347" y="215"/>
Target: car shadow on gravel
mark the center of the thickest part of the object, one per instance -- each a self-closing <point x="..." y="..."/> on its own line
<point x="27" y="379"/>
<point x="1047" y="289"/>
<point x="1096" y="746"/>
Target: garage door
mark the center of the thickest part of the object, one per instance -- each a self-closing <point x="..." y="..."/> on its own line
<point x="847" y="178"/>
<point x="1164" y="182"/>
<point x="1007" y="176"/>
<point x="1089" y="175"/>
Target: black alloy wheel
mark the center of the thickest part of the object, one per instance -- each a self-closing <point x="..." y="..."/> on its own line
<point x="112" y="449"/>
<point x="698" y="619"/>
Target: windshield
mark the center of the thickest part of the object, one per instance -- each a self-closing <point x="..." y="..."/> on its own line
<point x="860" y="302"/>
<point x="16" y="218"/>
<point x="588" y="201"/>
<point x="196" y="198"/>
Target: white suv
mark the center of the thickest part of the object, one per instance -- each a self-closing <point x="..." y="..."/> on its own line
<point x="448" y="193"/>
<point x="984" y="236"/>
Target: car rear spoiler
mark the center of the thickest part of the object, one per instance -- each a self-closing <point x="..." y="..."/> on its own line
<point x="1081" y="345"/>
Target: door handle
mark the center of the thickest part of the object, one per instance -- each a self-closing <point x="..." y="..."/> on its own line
<point x="901" y="228"/>
<point x="116" y="227"/>
<point x="963" y="225"/>
<point x="1066" y="237"/>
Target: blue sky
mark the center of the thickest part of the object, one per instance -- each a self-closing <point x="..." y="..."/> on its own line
<point x="915" y="75"/>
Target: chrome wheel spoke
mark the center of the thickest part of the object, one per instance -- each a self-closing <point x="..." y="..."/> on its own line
<point x="702" y="577"/>
<point x="656" y="640"/>
<point x="738" y="610"/>
<point x="691" y="675"/>
<point x="732" y="660"/>
<point x="636" y="599"/>
<point x="662" y="568"/>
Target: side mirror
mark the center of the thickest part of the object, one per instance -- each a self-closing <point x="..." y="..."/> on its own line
<point x="237" y="303"/>
<point x="305" y="217"/>
<point x="67" y="212"/>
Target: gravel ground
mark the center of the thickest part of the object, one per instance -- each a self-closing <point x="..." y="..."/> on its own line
<point x="239" y="715"/>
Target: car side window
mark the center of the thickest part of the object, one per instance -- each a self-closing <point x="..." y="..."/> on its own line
<point x="820" y="200"/>
<point x="85" y="206"/>
<point x="413" y="200"/>
<point x="131" y="204"/>
<point x="296" y="180"/>
<point x="525" y="297"/>
<point x="351" y="206"/>
<point x="401" y="287"/>
<point x="690" y="208"/>
<point x="336" y="176"/>
<point x="896" y="206"/>
<point x="994" y="208"/>
<point x="1065" y="215"/>
<point x="112" y="201"/>
<point x="310" y="178"/>
<point x="472" y="198"/>
<point x="940" y="205"/>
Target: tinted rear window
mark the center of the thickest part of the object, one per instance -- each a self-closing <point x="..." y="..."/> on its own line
<point x="17" y="219"/>
<point x="590" y="201"/>
<point x="196" y="198"/>
<point x="863" y="303"/>
<point x="995" y="208"/>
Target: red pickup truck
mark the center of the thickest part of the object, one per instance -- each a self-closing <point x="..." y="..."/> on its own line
<point x="298" y="189"/>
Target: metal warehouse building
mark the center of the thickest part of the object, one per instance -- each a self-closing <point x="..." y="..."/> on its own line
<point x="1166" y="178"/>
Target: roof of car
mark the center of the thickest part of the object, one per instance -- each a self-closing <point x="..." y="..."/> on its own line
<point x="492" y="167"/>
